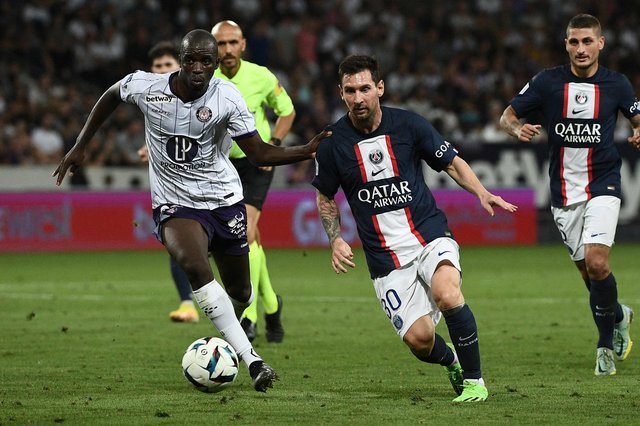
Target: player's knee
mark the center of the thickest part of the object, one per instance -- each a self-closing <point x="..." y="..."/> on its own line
<point x="240" y="291"/>
<point x="198" y="273"/>
<point x="598" y="267"/>
<point x="420" y="344"/>
<point x="420" y="337"/>
<point x="448" y="297"/>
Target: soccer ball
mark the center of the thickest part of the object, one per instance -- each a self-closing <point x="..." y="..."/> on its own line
<point x="210" y="364"/>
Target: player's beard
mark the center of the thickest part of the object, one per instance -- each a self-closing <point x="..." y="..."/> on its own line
<point x="362" y="118"/>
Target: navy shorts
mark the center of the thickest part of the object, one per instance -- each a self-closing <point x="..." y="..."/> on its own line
<point x="255" y="182"/>
<point x="226" y="227"/>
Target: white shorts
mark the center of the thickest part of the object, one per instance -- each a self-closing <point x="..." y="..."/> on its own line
<point x="405" y="294"/>
<point x="589" y="222"/>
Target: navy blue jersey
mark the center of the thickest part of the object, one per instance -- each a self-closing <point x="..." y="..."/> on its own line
<point x="580" y="116"/>
<point x="381" y="176"/>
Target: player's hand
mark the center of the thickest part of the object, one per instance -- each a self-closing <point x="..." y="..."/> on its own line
<point x="488" y="200"/>
<point x="143" y="153"/>
<point x="528" y="131"/>
<point x="341" y="255"/>
<point x="634" y="140"/>
<point x="71" y="162"/>
<point x="312" y="145"/>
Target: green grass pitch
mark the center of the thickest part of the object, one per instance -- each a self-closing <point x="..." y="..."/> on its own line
<point x="86" y="339"/>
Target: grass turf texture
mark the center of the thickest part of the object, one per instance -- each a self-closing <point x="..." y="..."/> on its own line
<point x="86" y="339"/>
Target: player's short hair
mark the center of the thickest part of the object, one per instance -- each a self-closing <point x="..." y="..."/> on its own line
<point x="163" y="48"/>
<point x="584" y="20"/>
<point x="354" y="64"/>
<point x="198" y="36"/>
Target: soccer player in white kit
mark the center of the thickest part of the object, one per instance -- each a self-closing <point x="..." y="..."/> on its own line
<point x="190" y="119"/>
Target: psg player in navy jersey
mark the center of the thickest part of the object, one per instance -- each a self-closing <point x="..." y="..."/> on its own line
<point x="375" y="155"/>
<point x="190" y="118"/>
<point x="580" y="102"/>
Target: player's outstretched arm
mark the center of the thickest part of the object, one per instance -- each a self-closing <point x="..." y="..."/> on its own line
<point x="264" y="154"/>
<point x="341" y="253"/>
<point x="634" y="139"/>
<point x="461" y="172"/>
<point x="511" y="124"/>
<point x="107" y="103"/>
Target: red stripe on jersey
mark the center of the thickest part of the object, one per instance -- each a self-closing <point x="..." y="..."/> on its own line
<point x="383" y="242"/>
<point x="566" y="100"/>
<point x="596" y="109"/>
<point x="363" y="171"/>
<point x="414" y="231"/>
<point x="394" y="163"/>
<point x="563" y="182"/>
<point x="590" y="167"/>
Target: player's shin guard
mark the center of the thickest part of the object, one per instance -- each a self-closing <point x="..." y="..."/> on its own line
<point x="217" y="306"/>
<point x="464" y="335"/>
<point x="603" y="299"/>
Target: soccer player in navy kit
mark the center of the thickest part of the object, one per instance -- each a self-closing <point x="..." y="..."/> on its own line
<point x="580" y="103"/>
<point x="190" y="119"/>
<point x="375" y="155"/>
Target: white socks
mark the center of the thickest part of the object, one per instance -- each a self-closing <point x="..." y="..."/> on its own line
<point x="217" y="306"/>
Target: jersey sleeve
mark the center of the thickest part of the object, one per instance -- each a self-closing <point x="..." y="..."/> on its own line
<point x="326" y="179"/>
<point x="431" y="146"/>
<point x="629" y="104"/>
<point x="278" y="99"/>
<point x="530" y="97"/>
<point x="132" y="86"/>
<point x="241" y="123"/>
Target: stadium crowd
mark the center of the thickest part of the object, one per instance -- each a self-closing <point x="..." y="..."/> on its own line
<point x="457" y="63"/>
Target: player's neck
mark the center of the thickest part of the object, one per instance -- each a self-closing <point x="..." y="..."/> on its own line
<point x="182" y="91"/>
<point x="588" y="72"/>
<point x="368" y="125"/>
<point x="231" y="72"/>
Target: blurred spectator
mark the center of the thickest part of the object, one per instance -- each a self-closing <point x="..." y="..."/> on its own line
<point x="47" y="141"/>
<point x="451" y="61"/>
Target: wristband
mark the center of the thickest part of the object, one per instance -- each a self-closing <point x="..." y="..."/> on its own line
<point x="276" y="141"/>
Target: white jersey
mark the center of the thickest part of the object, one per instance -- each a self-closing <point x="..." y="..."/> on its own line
<point x="189" y="142"/>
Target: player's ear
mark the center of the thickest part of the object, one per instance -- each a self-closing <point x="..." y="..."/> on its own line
<point x="380" y="87"/>
<point x="340" y="91"/>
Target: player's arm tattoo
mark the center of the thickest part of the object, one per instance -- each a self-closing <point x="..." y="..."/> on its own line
<point x="329" y="215"/>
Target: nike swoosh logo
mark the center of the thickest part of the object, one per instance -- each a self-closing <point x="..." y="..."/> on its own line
<point x="462" y="339"/>
<point x="377" y="172"/>
<point x="602" y="308"/>
<point x="577" y="111"/>
<point x="599" y="233"/>
<point x="440" y="253"/>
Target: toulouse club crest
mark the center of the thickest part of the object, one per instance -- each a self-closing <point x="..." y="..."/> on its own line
<point x="203" y="114"/>
<point x="376" y="156"/>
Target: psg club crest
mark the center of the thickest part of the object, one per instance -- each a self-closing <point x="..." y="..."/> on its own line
<point x="203" y="114"/>
<point x="397" y="321"/>
<point x="581" y="98"/>
<point x="376" y="156"/>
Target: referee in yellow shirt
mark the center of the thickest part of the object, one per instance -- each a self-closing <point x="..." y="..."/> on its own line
<point x="259" y="88"/>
